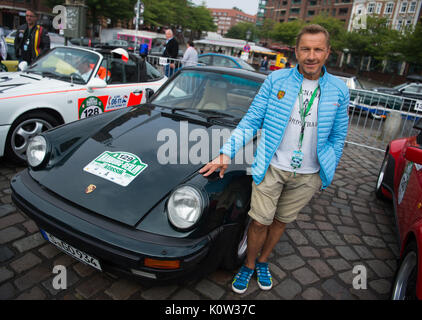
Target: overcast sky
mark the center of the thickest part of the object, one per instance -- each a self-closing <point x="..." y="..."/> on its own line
<point x="247" y="6"/>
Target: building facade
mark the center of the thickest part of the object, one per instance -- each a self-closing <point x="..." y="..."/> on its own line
<point x="12" y="13"/>
<point x="400" y="13"/>
<point x="288" y="10"/>
<point x="227" y="18"/>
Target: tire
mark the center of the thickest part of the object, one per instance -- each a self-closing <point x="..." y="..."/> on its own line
<point x="404" y="287"/>
<point x="236" y="252"/>
<point x="378" y="187"/>
<point x="25" y="127"/>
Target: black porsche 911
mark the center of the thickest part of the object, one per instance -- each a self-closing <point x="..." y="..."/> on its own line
<point x="121" y="191"/>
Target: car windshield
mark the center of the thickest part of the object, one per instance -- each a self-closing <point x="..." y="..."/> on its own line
<point x="67" y="64"/>
<point x="209" y="92"/>
<point x="244" y="65"/>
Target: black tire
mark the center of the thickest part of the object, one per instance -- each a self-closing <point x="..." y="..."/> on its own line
<point x="404" y="286"/>
<point x="378" y="187"/>
<point x="24" y="128"/>
<point x="236" y="251"/>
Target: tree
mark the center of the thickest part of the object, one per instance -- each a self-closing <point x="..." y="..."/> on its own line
<point x="410" y="45"/>
<point x="287" y="32"/>
<point x="264" y="31"/>
<point x="199" y="19"/>
<point x="239" y="31"/>
<point x="335" y="28"/>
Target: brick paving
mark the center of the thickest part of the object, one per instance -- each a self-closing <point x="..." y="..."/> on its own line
<point x="342" y="227"/>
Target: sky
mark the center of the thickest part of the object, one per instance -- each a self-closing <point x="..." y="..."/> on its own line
<point x="247" y="6"/>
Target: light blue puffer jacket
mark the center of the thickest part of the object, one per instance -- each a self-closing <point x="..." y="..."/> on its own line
<point x="270" y="111"/>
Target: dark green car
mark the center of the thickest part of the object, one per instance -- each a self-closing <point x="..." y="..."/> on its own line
<point x="121" y="191"/>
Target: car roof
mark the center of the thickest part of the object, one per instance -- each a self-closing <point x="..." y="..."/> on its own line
<point x="230" y="71"/>
<point x="215" y="54"/>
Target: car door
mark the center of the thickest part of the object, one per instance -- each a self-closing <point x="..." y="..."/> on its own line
<point x="125" y="87"/>
<point x="409" y="196"/>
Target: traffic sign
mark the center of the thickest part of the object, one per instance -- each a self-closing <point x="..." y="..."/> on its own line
<point x="247" y="48"/>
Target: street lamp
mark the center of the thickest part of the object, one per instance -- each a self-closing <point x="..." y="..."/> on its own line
<point x="139" y="10"/>
<point x="248" y="35"/>
<point x="346" y="54"/>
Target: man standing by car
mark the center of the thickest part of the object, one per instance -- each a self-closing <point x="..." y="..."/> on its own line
<point x="171" y="50"/>
<point x="303" y="116"/>
<point x="31" y="39"/>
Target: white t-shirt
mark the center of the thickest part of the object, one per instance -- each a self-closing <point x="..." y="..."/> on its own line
<point x="283" y="156"/>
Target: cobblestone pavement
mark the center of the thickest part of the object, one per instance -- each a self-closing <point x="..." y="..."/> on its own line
<point x="343" y="227"/>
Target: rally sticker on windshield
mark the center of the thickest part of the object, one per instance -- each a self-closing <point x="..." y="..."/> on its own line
<point x="118" y="167"/>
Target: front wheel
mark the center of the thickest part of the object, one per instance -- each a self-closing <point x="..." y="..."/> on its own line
<point x="23" y="129"/>
<point x="236" y="251"/>
<point x="404" y="287"/>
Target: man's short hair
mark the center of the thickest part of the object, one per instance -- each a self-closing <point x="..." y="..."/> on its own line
<point x="313" y="29"/>
<point x="33" y="12"/>
<point x="190" y="42"/>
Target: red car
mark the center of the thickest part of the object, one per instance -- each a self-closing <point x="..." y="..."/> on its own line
<point x="400" y="179"/>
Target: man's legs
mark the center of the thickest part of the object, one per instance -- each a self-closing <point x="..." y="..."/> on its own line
<point x="262" y="238"/>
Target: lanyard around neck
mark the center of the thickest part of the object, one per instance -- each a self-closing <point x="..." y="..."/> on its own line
<point x="304" y="112"/>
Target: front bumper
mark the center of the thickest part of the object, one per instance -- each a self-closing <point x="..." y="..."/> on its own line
<point x="119" y="249"/>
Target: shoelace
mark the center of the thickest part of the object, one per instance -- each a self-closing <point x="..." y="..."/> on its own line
<point x="244" y="275"/>
<point x="263" y="272"/>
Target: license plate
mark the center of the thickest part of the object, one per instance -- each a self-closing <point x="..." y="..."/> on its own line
<point x="72" y="251"/>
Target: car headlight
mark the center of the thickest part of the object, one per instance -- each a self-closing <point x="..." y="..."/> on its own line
<point x="185" y="207"/>
<point x="36" y="151"/>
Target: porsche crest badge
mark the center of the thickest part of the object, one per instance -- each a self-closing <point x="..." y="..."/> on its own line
<point x="280" y="94"/>
<point x="90" y="188"/>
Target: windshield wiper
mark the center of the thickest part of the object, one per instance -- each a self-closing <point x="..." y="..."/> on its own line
<point x="204" y="113"/>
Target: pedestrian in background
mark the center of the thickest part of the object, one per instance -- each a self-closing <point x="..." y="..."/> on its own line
<point x="31" y="39"/>
<point x="3" y="45"/>
<point x="3" y="51"/>
<point x="171" y="50"/>
<point x="190" y="58"/>
<point x="302" y="112"/>
<point x="264" y="64"/>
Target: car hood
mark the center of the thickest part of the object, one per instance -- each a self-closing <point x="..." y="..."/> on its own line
<point x="18" y="83"/>
<point x="140" y="131"/>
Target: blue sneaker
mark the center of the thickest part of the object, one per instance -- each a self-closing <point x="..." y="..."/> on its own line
<point x="241" y="280"/>
<point x="265" y="281"/>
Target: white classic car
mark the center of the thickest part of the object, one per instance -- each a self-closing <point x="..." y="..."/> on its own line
<point x="68" y="84"/>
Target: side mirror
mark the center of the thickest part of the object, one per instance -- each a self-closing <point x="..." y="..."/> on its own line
<point x="96" y="83"/>
<point x="148" y="94"/>
<point x="414" y="154"/>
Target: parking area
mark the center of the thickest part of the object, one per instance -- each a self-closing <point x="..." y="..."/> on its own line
<point x="343" y="235"/>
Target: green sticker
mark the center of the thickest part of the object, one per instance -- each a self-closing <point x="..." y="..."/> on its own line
<point x="91" y="106"/>
<point x="118" y="167"/>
